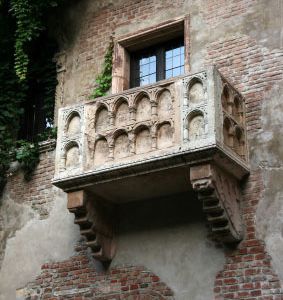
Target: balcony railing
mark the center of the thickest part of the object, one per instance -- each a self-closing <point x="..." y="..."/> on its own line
<point x="142" y="143"/>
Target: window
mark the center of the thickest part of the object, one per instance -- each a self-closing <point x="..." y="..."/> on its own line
<point x="151" y="54"/>
<point x="158" y="62"/>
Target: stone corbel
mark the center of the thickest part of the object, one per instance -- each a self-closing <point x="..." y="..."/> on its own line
<point x="220" y="196"/>
<point x="96" y="223"/>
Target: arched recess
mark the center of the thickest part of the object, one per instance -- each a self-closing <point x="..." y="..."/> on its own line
<point x="101" y="119"/>
<point x="101" y="151"/>
<point x="165" y="106"/>
<point x="196" y="125"/>
<point x="72" y="155"/>
<point x="196" y="91"/>
<point x="122" y="113"/>
<point x="142" y="140"/>
<point x="164" y="135"/>
<point x="73" y="124"/>
<point x="143" y="108"/>
<point x="121" y="145"/>
<point x="239" y="141"/>
<point x="238" y="109"/>
<point x="225" y="99"/>
<point x="228" y="133"/>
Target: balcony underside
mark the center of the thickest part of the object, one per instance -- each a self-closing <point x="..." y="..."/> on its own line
<point x="150" y="178"/>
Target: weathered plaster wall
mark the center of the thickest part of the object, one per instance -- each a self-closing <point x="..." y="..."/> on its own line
<point x="267" y="152"/>
<point x="27" y="240"/>
<point x="169" y="237"/>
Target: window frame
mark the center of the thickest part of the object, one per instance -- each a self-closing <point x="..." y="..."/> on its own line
<point x="142" y="39"/>
<point x="159" y="51"/>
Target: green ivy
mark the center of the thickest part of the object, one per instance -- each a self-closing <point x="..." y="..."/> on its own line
<point x="27" y="154"/>
<point x="104" y="79"/>
<point x="29" y="20"/>
<point x="26" y="54"/>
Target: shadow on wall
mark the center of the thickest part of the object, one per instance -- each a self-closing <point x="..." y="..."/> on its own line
<point x="169" y="237"/>
<point x="155" y="214"/>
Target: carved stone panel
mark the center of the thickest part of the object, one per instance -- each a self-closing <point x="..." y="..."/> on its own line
<point x="196" y="127"/>
<point x="102" y="119"/>
<point x="164" y="105"/>
<point x="196" y="93"/>
<point x="121" y="146"/>
<point x="143" y="141"/>
<point x="122" y="114"/>
<point x="228" y="133"/>
<point x="238" y="110"/>
<point x="164" y="136"/>
<point x="72" y="157"/>
<point x="239" y="142"/>
<point x="74" y="126"/>
<point x="143" y="109"/>
<point x="101" y="152"/>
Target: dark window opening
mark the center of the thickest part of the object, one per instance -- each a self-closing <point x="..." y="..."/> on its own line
<point x="33" y="120"/>
<point x="158" y="62"/>
<point x="39" y="100"/>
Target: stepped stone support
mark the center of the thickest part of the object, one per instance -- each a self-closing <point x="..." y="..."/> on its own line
<point x="96" y="223"/>
<point x="220" y="196"/>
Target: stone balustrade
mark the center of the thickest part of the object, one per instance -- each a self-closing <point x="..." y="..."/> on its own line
<point x="191" y="113"/>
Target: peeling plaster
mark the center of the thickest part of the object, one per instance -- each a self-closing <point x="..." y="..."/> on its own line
<point x="37" y="242"/>
<point x="169" y="237"/>
<point x="267" y="152"/>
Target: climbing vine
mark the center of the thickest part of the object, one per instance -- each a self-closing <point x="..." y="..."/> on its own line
<point x="27" y="73"/>
<point x="104" y="79"/>
<point x="29" y="16"/>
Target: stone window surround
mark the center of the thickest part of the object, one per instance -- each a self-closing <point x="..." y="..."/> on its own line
<point x="142" y="39"/>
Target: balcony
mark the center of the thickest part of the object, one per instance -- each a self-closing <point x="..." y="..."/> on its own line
<point x="170" y="137"/>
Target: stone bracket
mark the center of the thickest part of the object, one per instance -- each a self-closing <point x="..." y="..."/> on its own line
<point x="96" y="223"/>
<point x="220" y="196"/>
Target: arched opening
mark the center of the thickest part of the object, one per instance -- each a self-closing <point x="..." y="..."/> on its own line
<point x="238" y="109"/>
<point x="225" y="98"/>
<point x="164" y="108"/>
<point x="143" y="109"/>
<point x="74" y="124"/>
<point x="196" y="92"/>
<point x="122" y="114"/>
<point x="101" y="119"/>
<point x="164" y="135"/>
<point x="101" y="152"/>
<point x="72" y="156"/>
<point x="196" y="126"/>
<point x="121" y="145"/>
<point x="228" y="133"/>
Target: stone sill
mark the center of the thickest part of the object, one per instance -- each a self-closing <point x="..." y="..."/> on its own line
<point x="47" y="146"/>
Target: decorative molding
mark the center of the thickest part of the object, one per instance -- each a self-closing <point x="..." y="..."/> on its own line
<point x="220" y="196"/>
<point x="96" y="223"/>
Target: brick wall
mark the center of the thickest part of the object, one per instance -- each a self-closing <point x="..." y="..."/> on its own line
<point x="218" y="11"/>
<point x="94" y="37"/>
<point x="247" y="273"/>
<point x="37" y="192"/>
<point x="77" y="279"/>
